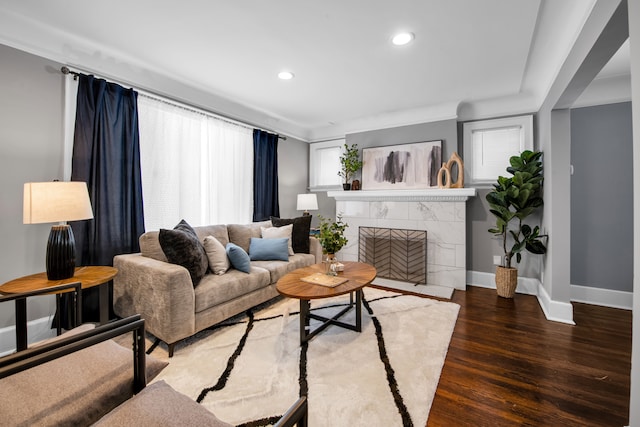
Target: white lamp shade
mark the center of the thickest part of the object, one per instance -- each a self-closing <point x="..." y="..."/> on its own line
<point x="307" y="202"/>
<point x="56" y="202"/>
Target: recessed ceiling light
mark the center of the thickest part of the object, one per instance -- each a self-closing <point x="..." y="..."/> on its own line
<point x="285" y="75"/>
<point x="402" y="38"/>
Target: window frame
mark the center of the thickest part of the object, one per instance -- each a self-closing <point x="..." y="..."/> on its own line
<point x="524" y="123"/>
<point x="315" y="166"/>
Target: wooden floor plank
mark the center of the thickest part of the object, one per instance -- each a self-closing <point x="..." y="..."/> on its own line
<point x="507" y="365"/>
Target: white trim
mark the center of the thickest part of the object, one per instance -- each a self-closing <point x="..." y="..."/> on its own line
<point x="37" y="330"/>
<point x="481" y="279"/>
<point x="424" y="195"/>
<point x="553" y="310"/>
<point x="603" y="297"/>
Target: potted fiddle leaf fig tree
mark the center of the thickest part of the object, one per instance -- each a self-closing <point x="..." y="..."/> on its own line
<point x="512" y="200"/>
<point x="350" y="163"/>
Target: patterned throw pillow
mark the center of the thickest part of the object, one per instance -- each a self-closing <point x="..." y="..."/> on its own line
<point x="182" y="247"/>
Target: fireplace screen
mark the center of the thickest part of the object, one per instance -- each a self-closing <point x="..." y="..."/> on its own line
<point x="395" y="253"/>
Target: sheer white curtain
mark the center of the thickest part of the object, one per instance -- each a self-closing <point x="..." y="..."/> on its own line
<point x="195" y="166"/>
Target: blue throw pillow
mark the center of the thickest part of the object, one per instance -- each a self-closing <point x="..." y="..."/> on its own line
<point x="269" y="249"/>
<point x="238" y="258"/>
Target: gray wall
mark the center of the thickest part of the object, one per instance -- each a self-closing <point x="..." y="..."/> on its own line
<point x="293" y="174"/>
<point x="30" y="150"/>
<point x="601" y="197"/>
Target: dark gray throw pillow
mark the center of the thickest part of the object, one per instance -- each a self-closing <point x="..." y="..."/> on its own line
<point x="300" y="235"/>
<point x="181" y="246"/>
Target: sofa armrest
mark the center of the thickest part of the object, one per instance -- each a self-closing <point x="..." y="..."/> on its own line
<point x="162" y="293"/>
<point x="315" y="248"/>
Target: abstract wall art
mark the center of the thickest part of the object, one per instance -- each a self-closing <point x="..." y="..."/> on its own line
<point x="405" y="166"/>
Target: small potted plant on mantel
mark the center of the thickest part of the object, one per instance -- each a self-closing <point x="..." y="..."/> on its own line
<point x="511" y="201"/>
<point x="350" y="163"/>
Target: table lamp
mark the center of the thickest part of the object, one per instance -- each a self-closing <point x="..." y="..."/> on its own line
<point x="307" y="202"/>
<point x="57" y="202"/>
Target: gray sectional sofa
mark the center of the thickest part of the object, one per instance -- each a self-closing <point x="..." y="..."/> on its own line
<point x="164" y="294"/>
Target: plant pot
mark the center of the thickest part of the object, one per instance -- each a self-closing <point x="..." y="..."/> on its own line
<point x="346" y="186"/>
<point x="506" y="281"/>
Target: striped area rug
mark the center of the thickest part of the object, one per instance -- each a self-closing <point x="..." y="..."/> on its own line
<point x="249" y="370"/>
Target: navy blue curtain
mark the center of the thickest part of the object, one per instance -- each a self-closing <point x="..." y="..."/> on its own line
<point x="106" y="155"/>
<point x="265" y="175"/>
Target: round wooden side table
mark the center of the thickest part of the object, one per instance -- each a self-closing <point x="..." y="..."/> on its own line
<point x="88" y="276"/>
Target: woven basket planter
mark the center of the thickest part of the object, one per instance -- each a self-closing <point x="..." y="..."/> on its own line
<point x="506" y="281"/>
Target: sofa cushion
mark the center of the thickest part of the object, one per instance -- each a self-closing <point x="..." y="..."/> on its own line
<point x="160" y="405"/>
<point x="241" y="234"/>
<point x="217" y="255"/>
<point x="269" y="249"/>
<point x="277" y="269"/>
<point x="279" y="233"/>
<point x="214" y="290"/>
<point x="76" y="389"/>
<point x="238" y="257"/>
<point x="182" y="247"/>
<point x="219" y="231"/>
<point x="300" y="235"/>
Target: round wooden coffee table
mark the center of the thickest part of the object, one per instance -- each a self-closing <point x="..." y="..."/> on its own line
<point x="358" y="276"/>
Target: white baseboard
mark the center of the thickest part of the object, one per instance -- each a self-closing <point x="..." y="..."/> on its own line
<point x="604" y="297"/>
<point x="526" y="285"/>
<point x="37" y="330"/>
<point x="553" y="310"/>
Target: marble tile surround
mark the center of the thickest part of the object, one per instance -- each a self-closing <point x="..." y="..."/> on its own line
<point x="444" y="222"/>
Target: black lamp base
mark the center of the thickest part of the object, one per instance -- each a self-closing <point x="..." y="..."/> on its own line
<point x="61" y="253"/>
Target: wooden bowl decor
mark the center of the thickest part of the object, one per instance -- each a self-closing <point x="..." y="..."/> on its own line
<point x="445" y="179"/>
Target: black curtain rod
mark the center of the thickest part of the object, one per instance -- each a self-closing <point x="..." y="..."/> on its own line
<point x="65" y="70"/>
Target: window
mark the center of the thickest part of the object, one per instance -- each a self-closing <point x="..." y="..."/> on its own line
<point x="324" y="165"/>
<point x="195" y="166"/>
<point x="488" y="145"/>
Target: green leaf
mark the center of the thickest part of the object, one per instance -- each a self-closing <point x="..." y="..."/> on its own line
<point x="536" y="247"/>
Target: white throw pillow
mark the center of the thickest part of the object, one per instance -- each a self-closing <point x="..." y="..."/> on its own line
<point x="218" y="260"/>
<point x="279" y="233"/>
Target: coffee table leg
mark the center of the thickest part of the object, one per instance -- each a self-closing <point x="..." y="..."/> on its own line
<point x="304" y="319"/>
<point x="359" y="310"/>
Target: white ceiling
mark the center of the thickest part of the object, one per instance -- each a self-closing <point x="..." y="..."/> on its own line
<point x="470" y="59"/>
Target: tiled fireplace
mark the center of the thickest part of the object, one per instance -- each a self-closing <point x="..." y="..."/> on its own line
<point x="439" y="212"/>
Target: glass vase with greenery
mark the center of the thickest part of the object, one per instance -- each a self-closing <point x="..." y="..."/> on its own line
<point x="331" y="234"/>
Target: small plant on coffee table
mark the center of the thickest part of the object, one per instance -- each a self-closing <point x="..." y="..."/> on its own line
<point x="332" y="234"/>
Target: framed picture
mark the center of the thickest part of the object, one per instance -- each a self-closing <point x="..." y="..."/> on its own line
<point x="405" y="166"/>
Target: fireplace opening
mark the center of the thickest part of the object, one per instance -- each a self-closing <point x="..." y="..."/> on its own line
<point x="397" y="254"/>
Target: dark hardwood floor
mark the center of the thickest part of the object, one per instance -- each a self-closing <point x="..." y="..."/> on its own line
<point x="507" y="365"/>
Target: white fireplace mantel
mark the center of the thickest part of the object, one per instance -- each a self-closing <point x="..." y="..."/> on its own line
<point x="424" y="195"/>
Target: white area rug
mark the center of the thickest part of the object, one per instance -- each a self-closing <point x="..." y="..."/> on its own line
<point x="249" y="371"/>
